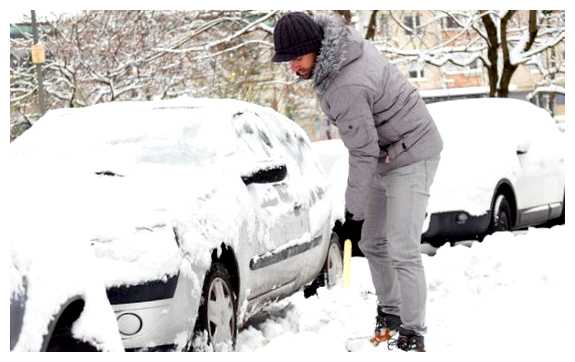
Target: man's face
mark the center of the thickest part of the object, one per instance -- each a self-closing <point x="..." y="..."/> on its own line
<point x="303" y="65"/>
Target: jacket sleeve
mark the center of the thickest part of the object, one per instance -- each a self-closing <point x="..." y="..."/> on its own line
<point x="350" y="110"/>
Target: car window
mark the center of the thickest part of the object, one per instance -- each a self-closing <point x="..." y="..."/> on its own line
<point x="256" y="145"/>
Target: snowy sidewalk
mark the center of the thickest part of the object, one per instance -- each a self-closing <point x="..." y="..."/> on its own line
<point x="512" y="292"/>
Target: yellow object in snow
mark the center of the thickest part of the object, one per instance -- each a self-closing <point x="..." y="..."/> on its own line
<point x="38" y="54"/>
<point x="346" y="263"/>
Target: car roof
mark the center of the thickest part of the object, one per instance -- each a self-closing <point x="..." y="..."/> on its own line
<point x="165" y="130"/>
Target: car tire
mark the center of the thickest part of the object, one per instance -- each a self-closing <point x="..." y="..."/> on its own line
<point x="60" y="337"/>
<point x="501" y="214"/>
<point x="562" y="217"/>
<point x="216" y="325"/>
<point x="333" y="267"/>
<point x="63" y="341"/>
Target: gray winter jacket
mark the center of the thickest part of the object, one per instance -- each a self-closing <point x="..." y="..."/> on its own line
<point x="378" y="113"/>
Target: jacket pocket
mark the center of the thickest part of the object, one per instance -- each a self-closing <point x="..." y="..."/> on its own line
<point x="354" y="134"/>
<point x="387" y="133"/>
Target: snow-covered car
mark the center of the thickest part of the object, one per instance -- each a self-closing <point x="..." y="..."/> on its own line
<point x="502" y="168"/>
<point x="198" y="212"/>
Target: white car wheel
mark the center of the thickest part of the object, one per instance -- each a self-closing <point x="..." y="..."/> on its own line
<point x="220" y="312"/>
<point x="501" y="214"/>
<point x="334" y="263"/>
<point x="217" y="313"/>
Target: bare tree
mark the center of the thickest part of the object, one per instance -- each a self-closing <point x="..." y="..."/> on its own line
<point x="372" y="25"/>
<point x="501" y="40"/>
<point x="102" y="56"/>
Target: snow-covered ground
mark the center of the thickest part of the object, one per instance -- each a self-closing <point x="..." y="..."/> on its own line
<point x="510" y="293"/>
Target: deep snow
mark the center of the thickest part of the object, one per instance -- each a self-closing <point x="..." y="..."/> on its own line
<point x="510" y="293"/>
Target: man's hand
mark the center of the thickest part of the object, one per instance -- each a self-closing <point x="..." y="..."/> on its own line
<point x="350" y="229"/>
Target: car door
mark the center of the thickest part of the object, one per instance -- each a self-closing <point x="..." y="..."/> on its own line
<point x="282" y="219"/>
<point x="550" y="144"/>
<point x="535" y="173"/>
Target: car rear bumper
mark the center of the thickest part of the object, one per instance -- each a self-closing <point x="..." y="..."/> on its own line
<point x="162" y="348"/>
<point x="445" y="227"/>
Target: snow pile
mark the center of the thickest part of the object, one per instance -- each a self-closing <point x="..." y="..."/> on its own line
<point x="509" y="293"/>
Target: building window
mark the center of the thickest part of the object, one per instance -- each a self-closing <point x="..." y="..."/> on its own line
<point x="412" y="24"/>
<point x="416" y="71"/>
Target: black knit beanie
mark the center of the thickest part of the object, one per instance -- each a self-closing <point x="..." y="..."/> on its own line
<point x="296" y="34"/>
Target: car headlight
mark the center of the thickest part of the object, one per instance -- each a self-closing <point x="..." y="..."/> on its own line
<point x="461" y="218"/>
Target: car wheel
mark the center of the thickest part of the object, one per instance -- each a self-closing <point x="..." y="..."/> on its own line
<point x="333" y="267"/>
<point x="216" y="325"/>
<point x="501" y="214"/>
<point x="61" y="338"/>
<point x="562" y="217"/>
<point x="63" y="341"/>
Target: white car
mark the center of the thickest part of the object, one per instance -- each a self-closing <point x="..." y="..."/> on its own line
<point x="198" y="212"/>
<point x="502" y="168"/>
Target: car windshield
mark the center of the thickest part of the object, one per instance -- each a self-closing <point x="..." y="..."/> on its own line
<point x="131" y="133"/>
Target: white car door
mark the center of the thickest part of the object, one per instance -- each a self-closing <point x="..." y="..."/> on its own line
<point x="538" y="175"/>
<point x="550" y="142"/>
<point x="282" y="219"/>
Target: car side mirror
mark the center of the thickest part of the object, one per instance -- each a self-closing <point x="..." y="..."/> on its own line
<point x="266" y="175"/>
<point x="523" y="148"/>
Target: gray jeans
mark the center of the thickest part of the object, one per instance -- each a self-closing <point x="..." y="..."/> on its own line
<point x="391" y="238"/>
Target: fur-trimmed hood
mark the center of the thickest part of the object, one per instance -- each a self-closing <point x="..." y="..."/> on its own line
<point x="340" y="46"/>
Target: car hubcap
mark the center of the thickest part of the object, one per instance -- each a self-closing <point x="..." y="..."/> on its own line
<point x="334" y="265"/>
<point x="221" y="322"/>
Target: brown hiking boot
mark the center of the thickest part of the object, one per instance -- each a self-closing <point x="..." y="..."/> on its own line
<point x="386" y="326"/>
<point x="410" y="341"/>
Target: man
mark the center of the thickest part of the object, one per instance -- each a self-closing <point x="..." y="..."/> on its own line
<point x="394" y="149"/>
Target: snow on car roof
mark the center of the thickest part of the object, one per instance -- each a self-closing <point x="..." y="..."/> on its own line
<point x="172" y="131"/>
